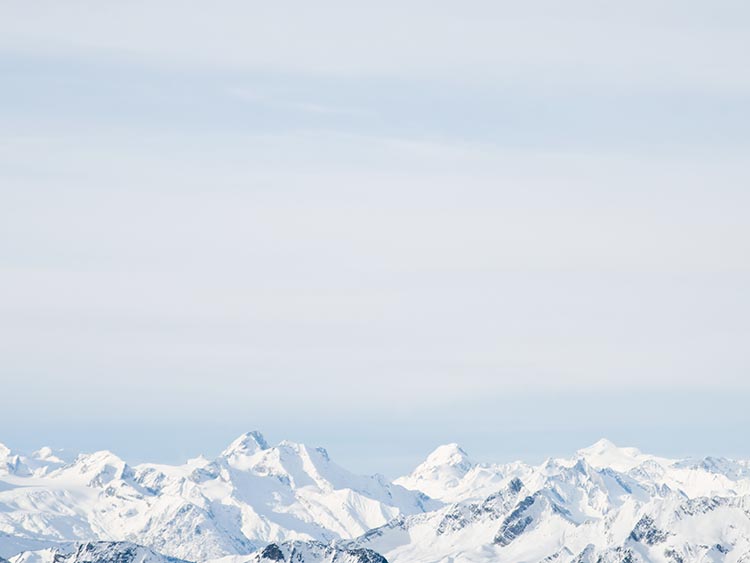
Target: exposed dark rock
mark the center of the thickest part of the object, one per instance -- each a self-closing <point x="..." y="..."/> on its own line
<point x="314" y="552"/>
<point x="514" y="525"/>
<point x="272" y="552"/>
<point x="112" y="552"/>
<point x="645" y="531"/>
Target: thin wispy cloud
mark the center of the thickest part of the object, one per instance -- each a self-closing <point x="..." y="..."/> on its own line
<point x="390" y="209"/>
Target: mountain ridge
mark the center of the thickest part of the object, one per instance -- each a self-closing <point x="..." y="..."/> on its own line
<point x="603" y="503"/>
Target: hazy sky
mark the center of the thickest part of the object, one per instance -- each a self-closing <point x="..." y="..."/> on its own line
<point x="375" y="227"/>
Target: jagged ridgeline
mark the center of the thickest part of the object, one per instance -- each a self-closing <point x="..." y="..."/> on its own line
<point x="128" y="552"/>
<point x="258" y="503"/>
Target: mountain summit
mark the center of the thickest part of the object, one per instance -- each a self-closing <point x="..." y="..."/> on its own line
<point x="292" y="503"/>
<point x="247" y="444"/>
<point x="605" y="453"/>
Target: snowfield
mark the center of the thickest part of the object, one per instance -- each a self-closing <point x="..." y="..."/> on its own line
<point x="256" y="503"/>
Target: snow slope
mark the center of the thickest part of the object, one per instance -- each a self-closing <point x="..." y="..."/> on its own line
<point x="256" y="503"/>
<point x="603" y="504"/>
<point x="248" y="496"/>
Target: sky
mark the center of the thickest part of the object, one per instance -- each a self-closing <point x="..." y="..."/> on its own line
<point x="520" y="226"/>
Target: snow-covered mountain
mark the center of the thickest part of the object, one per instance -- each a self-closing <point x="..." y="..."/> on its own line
<point x="250" y="495"/>
<point x="256" y="503"/>
<point x="95" y="552"/>
<point x="314" y="552"/>
<point x="603" y="504"/>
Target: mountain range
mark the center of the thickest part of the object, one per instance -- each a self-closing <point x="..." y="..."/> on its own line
<point x="257" y="503"/>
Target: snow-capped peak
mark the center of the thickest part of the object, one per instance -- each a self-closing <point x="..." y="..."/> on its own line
<point x="448" y="455"/>
<point x="601" y="446"/>
<point x="605" y="503"/>
<point x="97" y="469"/>
<point x="605" y="453"/>
<point x="443" y="469"/>
<point x="12" y="462"/>
<point x="248" y="444"/>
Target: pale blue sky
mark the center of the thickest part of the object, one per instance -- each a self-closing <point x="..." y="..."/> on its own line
<point x="375" y="228"/>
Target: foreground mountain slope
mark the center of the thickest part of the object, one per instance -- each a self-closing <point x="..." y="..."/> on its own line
<point x="314" y="552"/>
<point x="309" y="551"/>
<point x="95" y="552"/>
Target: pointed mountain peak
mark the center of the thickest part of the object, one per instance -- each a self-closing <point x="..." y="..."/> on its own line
<point x="601" y="446"/>
<point x="442" y="471"/>
<point x="446" y="463"/>
<point x="605" y="447"/>
<point x="12" y="462"/>
<point x="98" y="468"/>
<point x="449" y="454"/>
<point x="247" y="444"/>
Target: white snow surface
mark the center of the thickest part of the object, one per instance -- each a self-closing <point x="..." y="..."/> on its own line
<point x="250" y="495"/>
<point x="603" y="504"/>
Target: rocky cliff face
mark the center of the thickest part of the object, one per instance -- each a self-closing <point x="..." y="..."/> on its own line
<point x="314" y="552"/>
